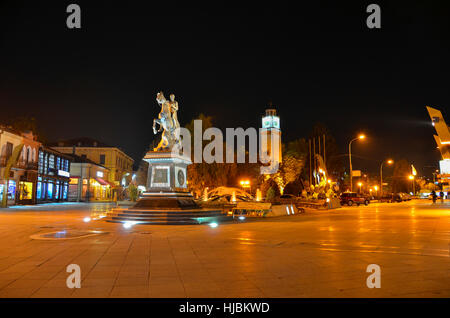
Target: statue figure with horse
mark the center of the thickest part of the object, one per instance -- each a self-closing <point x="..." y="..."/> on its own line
<point x="167" y="121"/>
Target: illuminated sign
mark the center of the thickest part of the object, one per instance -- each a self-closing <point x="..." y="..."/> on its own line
<point x="445" y="166"/>
<point x="356" y="173"/>
<point x="63" y="173"/>
<point x="100" y="174"/>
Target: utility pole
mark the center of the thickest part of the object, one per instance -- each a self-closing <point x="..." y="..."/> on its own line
<point x="310" y="163"/>
<point x="350" y="159"/>
<point x="314" y="157"/>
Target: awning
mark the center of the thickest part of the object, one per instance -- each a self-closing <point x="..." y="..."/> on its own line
<point x="101" y="181"/>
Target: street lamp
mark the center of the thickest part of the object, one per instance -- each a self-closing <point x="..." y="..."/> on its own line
<point x="245" y="184"/>
<point x="389" y="161"/>
<point x="376" y="190"/>
<point x="359" y="184"/>
<point x="360" y="137"/>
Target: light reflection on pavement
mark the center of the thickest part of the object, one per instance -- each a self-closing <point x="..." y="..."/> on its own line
<point x="317" y="254"/>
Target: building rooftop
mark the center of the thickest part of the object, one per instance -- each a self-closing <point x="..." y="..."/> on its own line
<point x="80" y="159"/>
<point x="80" y="142"/>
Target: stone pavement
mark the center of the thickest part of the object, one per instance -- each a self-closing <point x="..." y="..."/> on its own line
<point x="318" y="254"/>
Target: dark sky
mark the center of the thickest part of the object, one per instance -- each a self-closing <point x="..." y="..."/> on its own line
<point x="314" y="62"/>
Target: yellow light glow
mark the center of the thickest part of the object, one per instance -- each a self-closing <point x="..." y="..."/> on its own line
<point x="244" y="183"/>
<point x="360" y="183"/>
<point x="376" y="188"/>
<point x="362" y="136"/>
<point x="390" y="161"/>
<point x="329" y="181"/>
<point x="411" y="177"/>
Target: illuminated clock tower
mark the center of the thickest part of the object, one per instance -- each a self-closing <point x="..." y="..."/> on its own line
<point x="271" y="130"/>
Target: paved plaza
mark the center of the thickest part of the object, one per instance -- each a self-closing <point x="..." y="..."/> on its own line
<point x="316" y="254"/>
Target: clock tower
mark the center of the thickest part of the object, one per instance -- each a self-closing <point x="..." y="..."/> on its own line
<point x="271" y="132"/>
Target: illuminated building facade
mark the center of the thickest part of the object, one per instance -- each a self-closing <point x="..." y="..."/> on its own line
<point x="22" y="180"/>
<point x="53" y="176"/>
<point x="443" y="144"/>
<point x="119" y="164"/>
<point x="89" y="181"/>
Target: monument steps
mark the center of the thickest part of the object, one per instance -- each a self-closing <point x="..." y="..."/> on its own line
<point x="197" y="216"/>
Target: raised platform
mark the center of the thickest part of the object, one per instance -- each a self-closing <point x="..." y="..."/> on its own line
<point x="195" y="216"/>
<point x="167" y="208"/>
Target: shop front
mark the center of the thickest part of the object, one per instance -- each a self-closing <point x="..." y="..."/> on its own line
<point x="96" y="189"/>
<point x="88" y="181"/>
<point x="11" y="191"/>
<point x="53" y="176"/>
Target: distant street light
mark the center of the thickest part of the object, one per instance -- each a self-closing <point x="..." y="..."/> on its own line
<point x="360" y="137"/>
<point x="389" y="161"/>
<point x="360" y="185"/>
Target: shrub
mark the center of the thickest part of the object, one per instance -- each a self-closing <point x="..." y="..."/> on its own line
<point x="133" y="192"/>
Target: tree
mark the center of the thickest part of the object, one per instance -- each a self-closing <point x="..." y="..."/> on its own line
<point x="401" y="183"/>
<point x="133" y="192"/>
<point x="271" y="194"/>
<point x="202" y="175"/>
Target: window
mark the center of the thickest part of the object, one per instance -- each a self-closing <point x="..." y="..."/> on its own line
<point x="51" y="164"/>
<point x="41" y="162"/>
<point x="9" y="149"/>
<point x="102" y="159"/>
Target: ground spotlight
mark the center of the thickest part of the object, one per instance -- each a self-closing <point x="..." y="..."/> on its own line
<point x="128" y="224"/>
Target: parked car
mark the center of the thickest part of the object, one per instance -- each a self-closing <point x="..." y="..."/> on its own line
<point x="351" y="198"/>
<point x="402" y="196"/>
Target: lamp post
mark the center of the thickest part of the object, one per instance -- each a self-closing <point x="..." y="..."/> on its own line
<point x="390" y="161"/>
<point x="359" y="184"/>
<point x="361" y="137"/>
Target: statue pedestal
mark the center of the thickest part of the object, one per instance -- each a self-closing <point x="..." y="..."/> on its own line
<point x="166" y="171"/>
<point x="166" y="182"/>
<point x="167" y="199"/>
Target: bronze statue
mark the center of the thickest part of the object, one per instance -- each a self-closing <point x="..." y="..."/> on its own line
<point x="167" y="121"/>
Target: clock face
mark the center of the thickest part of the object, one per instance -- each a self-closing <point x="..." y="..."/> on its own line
<point x="180" y="178"/>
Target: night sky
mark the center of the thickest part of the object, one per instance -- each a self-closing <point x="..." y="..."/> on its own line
<point x="314" y="62"/>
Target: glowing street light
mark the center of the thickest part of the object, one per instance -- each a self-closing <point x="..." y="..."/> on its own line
<point x="360" y="137"/>
<point x="245" y="183"/>
<point x="389" y="161"/>
<point x="360" y="185"/>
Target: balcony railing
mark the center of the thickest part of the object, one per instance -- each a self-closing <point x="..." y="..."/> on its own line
<point x="21" y="164"/>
